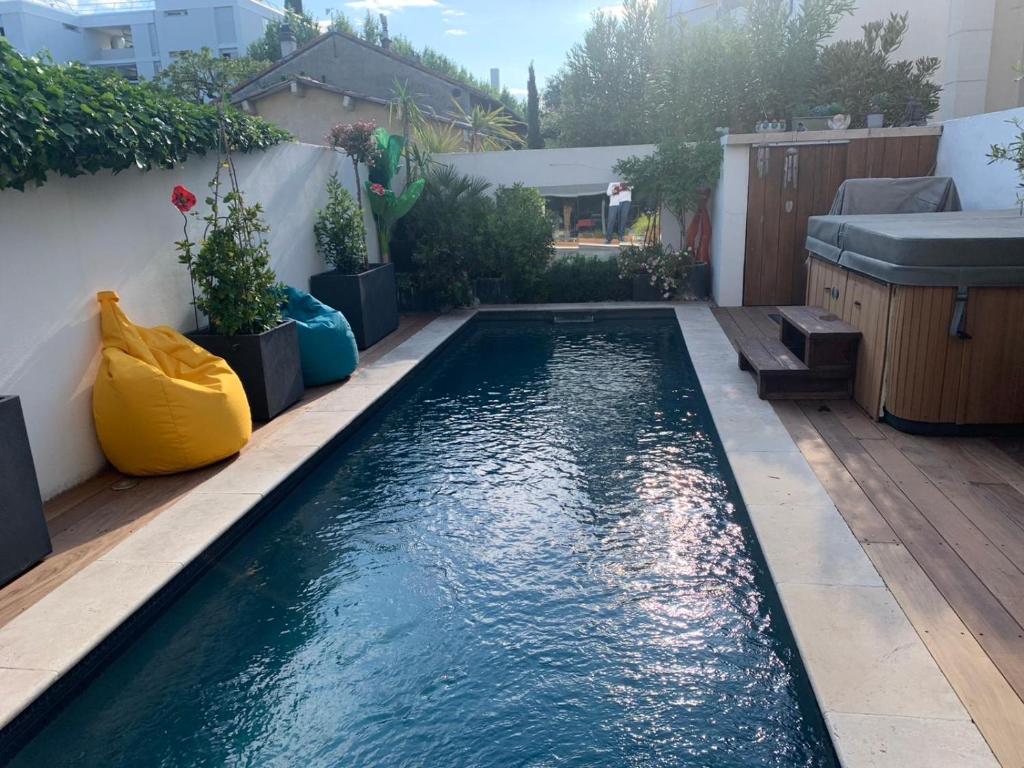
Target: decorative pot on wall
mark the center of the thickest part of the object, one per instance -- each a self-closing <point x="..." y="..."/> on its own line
<point x="268" y="364"/>
<point x="24" y="537"/>
<point x="644" y="291"/>
<point x="369" y="300"/>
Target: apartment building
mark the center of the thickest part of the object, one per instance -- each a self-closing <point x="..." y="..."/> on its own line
<point x="979" y="42"/>
<point x="136" y="37"/>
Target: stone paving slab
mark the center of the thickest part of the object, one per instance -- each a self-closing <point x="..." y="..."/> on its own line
<point x="884" y="700"/>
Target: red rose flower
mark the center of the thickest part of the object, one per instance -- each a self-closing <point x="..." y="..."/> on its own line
<point x="182" y="199"/>
<point x="378" y="189"/>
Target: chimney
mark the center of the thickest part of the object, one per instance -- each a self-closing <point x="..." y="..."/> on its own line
<point x="287" y="40"/>
<point x="495" y="79"/>
<point x="385" y="41"/>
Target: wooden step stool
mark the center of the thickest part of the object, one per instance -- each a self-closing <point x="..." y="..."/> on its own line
<point x="815" y="356"/>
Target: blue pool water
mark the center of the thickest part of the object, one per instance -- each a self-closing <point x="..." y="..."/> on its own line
<point x="532" y="557"/>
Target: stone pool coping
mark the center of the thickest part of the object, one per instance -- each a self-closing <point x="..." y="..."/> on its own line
<point x="883" y="698"/>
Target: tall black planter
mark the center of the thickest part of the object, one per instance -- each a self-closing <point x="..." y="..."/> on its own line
<point x="267" y="363"/>
<point x="644" y="291"/>
<point x="24" y="537"/>
<point x="696" y="281"/>
<point x="369" y="300"/>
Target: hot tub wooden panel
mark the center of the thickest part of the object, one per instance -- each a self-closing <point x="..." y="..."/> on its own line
<point x="923" y="367"/>
<point x="993" y="371"/>
<point x="910" y="366"/>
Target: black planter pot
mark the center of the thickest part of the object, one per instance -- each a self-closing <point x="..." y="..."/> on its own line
<point x="696" y="282"/>
<point x="267" y="363"/>
<point x="24" y="537"/>
<point x="492" y="290"/>
<point x="369" y="300"/>
<point x="644" y="291"/>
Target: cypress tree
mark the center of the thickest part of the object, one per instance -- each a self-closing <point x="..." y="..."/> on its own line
<point x="533" y="138"/>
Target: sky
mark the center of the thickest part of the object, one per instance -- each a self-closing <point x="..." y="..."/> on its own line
<point x="480" y="34"/>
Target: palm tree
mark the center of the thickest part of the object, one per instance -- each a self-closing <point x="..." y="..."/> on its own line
<point x="403" y="108"/>
<point x="489" y="130"/>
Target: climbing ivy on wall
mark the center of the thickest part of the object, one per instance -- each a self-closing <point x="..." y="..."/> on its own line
<point x="72" y="119"/>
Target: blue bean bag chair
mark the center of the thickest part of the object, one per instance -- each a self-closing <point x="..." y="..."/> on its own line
<point x="327" y="346"/>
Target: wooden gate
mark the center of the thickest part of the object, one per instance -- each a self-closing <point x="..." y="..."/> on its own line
<point x="790" y="182"/>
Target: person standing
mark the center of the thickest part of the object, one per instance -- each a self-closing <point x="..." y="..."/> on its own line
<point x="620" y="198"/>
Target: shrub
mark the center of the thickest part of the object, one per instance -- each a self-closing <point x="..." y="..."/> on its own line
<point x="521" y="241"/>
<point x="1013" y="153"/>
<point x="583" y="278"/>
<point x="860" y="75"/>
<point x="444" y="234"/>
<point x="73" y="119"/>
<point x="339" y="230"/>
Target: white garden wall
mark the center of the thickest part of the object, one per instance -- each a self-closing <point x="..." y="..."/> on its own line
<point x="962" y="155"/>
<point x="565" y="171"/>
<point x="64" y="241"/>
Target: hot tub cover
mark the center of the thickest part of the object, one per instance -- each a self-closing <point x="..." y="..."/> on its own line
<point x="960" y="248"/>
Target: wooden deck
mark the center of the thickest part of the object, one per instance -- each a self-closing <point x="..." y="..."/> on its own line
<point x="89" y="520"/>
<point x="942" y="519"/>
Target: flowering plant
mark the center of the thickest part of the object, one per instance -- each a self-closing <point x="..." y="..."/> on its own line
<point x="182" y="199"/>
<point x="359" y="142"/>
<point x="378" y="190"/>
<point x="663" y="266"/>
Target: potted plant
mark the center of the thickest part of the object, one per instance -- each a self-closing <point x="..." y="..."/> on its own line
<point x="24" y="537"/>
<point x="366" y="295"/>
<point x="657" y="273"/>
<point x="816" y="118"/>
<point x="236" y="289"/>
<point x="876" y="112"/>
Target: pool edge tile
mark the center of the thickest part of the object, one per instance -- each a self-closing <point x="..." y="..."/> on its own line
<point x="27" y="653"/>
<point x="778" y="487"/>
<point x="880" y="741"/>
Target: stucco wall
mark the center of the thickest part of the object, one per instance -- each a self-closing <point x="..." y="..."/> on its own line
<point x="962" y="155"/>
<point x="310" y="116"/>
<point x="70" y="238"/>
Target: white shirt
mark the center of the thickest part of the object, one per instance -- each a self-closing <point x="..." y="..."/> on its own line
<point x="615" y="198"/>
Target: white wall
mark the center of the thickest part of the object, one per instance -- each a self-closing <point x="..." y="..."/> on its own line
<point x="545" y="167"/>
<point x="66" y="240"/>
<point x="729" y="226"/>
<point x="962" y="154"/>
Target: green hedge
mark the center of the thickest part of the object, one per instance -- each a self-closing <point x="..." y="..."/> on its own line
<point x="72" y="119"/>
<point x="583" y="278"/>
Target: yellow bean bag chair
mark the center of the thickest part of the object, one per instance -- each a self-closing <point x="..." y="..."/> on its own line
<point x="161" y="403"/>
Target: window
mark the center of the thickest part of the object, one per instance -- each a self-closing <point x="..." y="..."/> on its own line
<point x="175" y="13"/>
<point x="2" y="32"/>
<point x="227" y="54"/>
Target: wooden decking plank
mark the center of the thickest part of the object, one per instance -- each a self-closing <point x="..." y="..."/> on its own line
<point x="768" y="327"/>
<point x="860" y="514"/>
<point x="743" y="321"/>
<point x="987" y="453"/>
<point x="995" y="630"/>
<point x="724" y="318"/>
<point x="856" y="421"/>
<point x="988" y="697"/>
<point x="1002" y="578"/>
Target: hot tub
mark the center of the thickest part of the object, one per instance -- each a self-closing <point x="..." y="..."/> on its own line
<point x="939" y="298"/>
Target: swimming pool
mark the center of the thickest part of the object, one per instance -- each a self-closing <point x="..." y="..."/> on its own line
<point x="533" y="555"/>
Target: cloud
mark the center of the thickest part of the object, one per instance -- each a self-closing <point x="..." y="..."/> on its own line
<point x="390" y="6"/>
<point x="452" y="12"/>
<point x="456" y="32"/>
